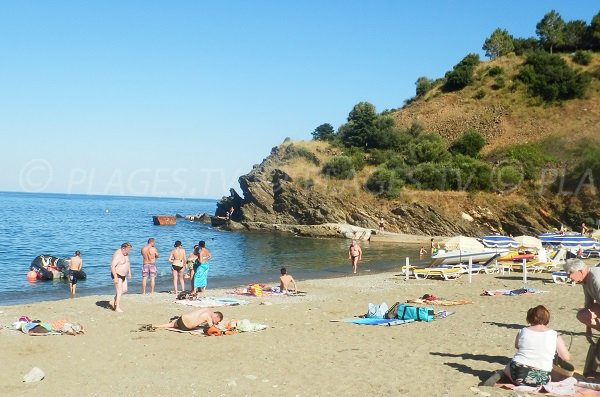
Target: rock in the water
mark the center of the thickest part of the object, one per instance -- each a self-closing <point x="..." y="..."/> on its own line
<point x="35" y="375"/>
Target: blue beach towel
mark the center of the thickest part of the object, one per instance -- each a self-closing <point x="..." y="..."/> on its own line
<point x="377" y="321"/>
<point x="201" y="275"/>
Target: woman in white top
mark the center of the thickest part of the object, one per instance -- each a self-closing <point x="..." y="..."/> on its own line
<point x="536" y="346"/>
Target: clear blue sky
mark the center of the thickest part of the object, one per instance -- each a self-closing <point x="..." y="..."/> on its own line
<point x="180" y="98"/>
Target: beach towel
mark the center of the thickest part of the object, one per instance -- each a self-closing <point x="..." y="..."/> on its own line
<point x="201" y="275"/>
<point x="373" y="321"/>
<point x="567" y="387"/>
<point x="511" y="292"/>
<point x="56" y="327"/>
<point x="439" y="302"/>
<point x="208" y="301"/>
<point x="244" y="325"/>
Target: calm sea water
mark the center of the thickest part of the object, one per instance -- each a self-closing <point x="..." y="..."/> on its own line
<point x="58" y="224"/>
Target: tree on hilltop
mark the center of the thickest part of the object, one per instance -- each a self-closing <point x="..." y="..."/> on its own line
<point x="324" y="132"/>
<point x="551" y="30"/>
<point x="498" y="44"/>
<point x="575" y="36"/>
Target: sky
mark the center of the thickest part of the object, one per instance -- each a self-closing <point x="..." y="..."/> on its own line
<point x="180" y="98"/>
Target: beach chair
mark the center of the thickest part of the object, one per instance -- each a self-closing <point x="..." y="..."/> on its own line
<point x="446" y="273"/>
<point x="561" y="278"/>
<point x="556" y="262"/>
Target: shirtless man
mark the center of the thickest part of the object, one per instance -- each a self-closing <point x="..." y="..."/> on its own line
<point x="120" y="268"/>
<point x="354" y="254"/>
<point x="285" y="280"/>
<point x="195" y="319"/>
<point x="74" y="268"/>
<point x="149" y="255"/>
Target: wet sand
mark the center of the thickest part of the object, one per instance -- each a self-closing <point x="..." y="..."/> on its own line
<point x="302" y="353"/>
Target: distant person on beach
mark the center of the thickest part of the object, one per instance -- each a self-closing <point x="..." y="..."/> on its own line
<point x="354" y="254"/>
<point x="590" y="279"/>
<point x="285" y="280"/>
<point x="149" y="255"/>
<point x="229" y="213"/>
<point x="422" y="252"/>
<point x="201" y="267"/>
<point x="381" y="224"/>
<point x="584" y="229"/>
<point x="195" y="319"/>
<point x="177" y="259"/>
<point x="434" y="246"/>
<point x="74" y="267"/>
<point x="536" y="346"/>
<point x="119" y="269"/>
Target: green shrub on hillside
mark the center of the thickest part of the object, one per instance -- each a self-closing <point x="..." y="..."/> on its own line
<point x="588" y="166"/>
<point x="507" y="176"/>
<point x="524" y="46"/>
<point x="469" y="143"/>
<point x="426" y="148"/>
<point x="428" y="176"/>
<point x="357" y="156"/>
<point x="531" y="157"/>
<point x="384" y="183"/>
<point x="582" y="57"/>
<point x="339" y="167"/>
<point x="499" y="82"/>
<point x="549" y="77"/>
<point x="496" y="71"/>
<point x="424" y="85"/>
<point x="295" y="151"/>
<point x="469" y="174"/>
<point x="480" y="94"/>
<point x="462" y="73"/>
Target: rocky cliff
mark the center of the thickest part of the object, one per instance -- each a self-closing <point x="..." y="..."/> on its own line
<point x="273" y="198"/>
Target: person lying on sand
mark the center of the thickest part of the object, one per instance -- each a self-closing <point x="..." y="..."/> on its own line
<point x="193" y="320"/>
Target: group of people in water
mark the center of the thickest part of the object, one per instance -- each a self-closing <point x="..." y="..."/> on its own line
<point x="197" y="263"/>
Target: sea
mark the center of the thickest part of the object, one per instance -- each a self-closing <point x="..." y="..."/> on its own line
<point x="32" y="224"/>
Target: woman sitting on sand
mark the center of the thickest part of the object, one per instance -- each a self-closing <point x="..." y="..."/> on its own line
<point x="536" y="346"/>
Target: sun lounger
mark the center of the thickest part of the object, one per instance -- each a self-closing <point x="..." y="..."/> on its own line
<point x="561" y="278"/>
<point x="446" y="273"/>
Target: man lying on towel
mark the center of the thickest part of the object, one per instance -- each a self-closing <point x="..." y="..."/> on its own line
<point x="193" y="320"/>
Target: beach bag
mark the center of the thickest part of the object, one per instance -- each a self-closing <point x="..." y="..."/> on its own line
<point x="408" y="312"/>
<point x="377" y="311"/>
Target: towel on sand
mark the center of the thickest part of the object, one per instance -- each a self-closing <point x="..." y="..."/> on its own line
<point x="511" y="292"/>
<point x="209" y="301"/>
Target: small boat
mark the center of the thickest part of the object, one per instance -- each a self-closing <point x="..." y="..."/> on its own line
<point x="454" y="257"/>
<point x="49" y="267"/>
<point x="164" y="220"/>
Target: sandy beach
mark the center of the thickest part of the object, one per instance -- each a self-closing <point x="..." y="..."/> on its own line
<point x="302" y="353"/>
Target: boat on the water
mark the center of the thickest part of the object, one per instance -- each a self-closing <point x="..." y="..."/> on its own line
<point x="49" y="267"/>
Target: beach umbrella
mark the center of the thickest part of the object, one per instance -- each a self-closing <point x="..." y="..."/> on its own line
<point x="463" y="243"/>
<point x="498" y="241"/>
<point x="571" y="240"/>
<point x="528" y="242"/>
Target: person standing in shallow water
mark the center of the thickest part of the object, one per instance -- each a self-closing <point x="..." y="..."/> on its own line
<point x="74" y="268"/>
<point x="354" y="254"/>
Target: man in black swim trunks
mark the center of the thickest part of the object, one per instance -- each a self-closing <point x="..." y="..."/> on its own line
<point x="74" y="268"/>
<point x="195" y="319"/>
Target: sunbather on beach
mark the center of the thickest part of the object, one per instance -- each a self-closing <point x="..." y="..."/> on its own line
<point x="285" y="280"/>
<point x="193" y="320"/>
<point x="536" y="346"/>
